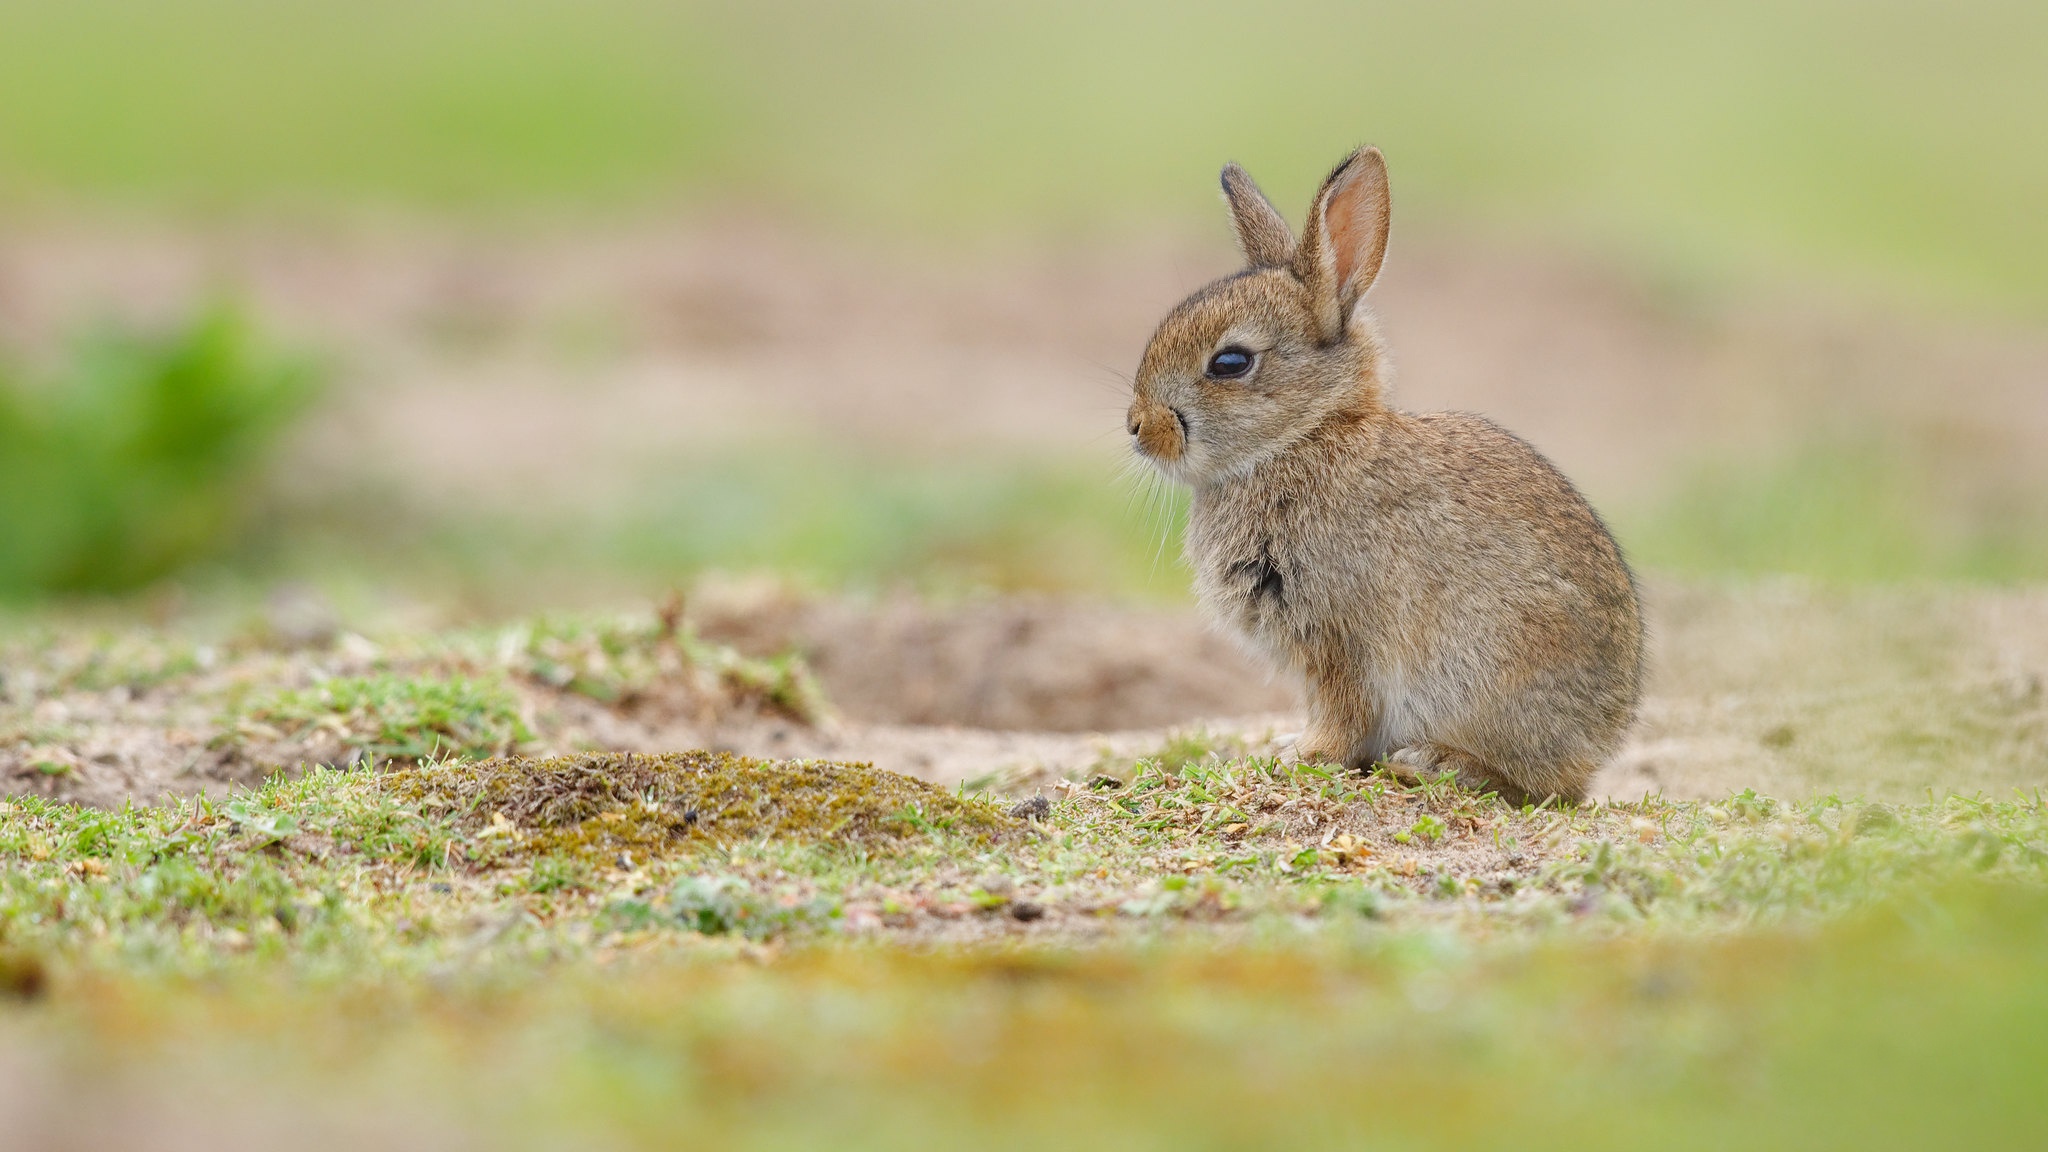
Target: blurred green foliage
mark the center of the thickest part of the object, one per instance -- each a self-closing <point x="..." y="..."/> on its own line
<point x="1899" y="141"/>
<point x="1840" y="509"/>
<point x="1014" y="525"/>
<point x="139" y="457"/>
<point x="832" y="517"/>
<point x="1844" y="509"/>
<point x="1895" y="143"/>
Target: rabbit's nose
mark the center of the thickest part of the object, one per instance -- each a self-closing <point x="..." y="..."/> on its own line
<point x="1159" y="431"/>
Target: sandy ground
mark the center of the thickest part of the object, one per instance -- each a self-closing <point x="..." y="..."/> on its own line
<point x="1782" y="687"/>
<point x="1785" y="688"/>
<point x="605" y="351"/>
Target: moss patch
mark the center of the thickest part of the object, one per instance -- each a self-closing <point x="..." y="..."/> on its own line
<point x="636" y="661"/>
<point x="595" y="807"/>
<point x="391" y="718"/>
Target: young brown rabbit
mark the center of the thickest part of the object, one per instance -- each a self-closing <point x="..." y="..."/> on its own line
<point x="1448" y="598"/>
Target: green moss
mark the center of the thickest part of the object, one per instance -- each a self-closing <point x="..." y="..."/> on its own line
<point x="714" y="905"/>
<point x="53" y="661"/>
<point x="626" y="661"/>
<point x="600" y="809"/>
<point x="397" y="719"/>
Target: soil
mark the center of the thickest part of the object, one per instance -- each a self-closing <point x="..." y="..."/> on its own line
<point x="1785" y="688"/>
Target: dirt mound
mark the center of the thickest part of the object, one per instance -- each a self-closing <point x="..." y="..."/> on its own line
<point x="1786" y="686"/>
<point x="599" y="805"/>
<point x="1022" y="664"/>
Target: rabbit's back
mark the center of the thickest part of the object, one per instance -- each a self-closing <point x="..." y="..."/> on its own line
<point x="1477" y="594"/>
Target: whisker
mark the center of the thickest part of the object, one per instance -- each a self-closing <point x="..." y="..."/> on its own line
<point x="1162" y="503"/>
<point x="1118" y="374"/>
<point x="1155" y="498"/>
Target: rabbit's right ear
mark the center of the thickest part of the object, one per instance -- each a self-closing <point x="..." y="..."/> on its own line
<point x="1261" y="233"/>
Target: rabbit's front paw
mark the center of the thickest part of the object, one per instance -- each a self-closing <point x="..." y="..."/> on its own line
<point x="1416" y="762"/>
<point x="1411" y="763"/>
<point x="1416" y="758"/>
<point x="1315" y="748"/>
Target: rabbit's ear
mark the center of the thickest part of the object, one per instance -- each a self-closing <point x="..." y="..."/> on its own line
<point x="1261" y="234"/>
<point x="1345" y="238"/>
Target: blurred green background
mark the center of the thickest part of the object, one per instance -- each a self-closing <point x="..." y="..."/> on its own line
<point x="1894" y="151"/>
<point x="1903" y="140"/>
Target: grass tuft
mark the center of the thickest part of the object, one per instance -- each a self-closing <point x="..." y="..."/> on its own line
<point x="629" y="660"/>
<point x="393" y="719"/>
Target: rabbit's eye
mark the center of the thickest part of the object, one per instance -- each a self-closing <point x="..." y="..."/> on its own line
<point x="1229" y="364"/>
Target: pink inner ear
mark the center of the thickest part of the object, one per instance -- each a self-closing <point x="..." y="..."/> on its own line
<point x="1342" y="220"/>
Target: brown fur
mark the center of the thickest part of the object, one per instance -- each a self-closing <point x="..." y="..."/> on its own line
<point x="1449" y="600"/>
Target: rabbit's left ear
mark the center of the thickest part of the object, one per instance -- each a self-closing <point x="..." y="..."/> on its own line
<point x="1345" y="238"/>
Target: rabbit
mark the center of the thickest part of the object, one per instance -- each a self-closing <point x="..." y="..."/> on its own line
<point x="1448" y="599"/>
